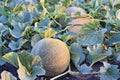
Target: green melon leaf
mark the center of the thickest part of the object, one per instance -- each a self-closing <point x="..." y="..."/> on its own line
<point x="11" y="58"/>
<point x="29" y="66"/>
<point x="97" y="53"/>
<point x="67" y="36"/>
<point x="16" y="45"/>
<point x="49" y="33"/>
<point x="18" y="29"/>
<point x="92" y="38"/>
<point x="109" y="72"/>
<point x="23" y="17"/>
<point x="35" y="39"/>
<point x="84" y="69"/>
<point x="77" y="54"/>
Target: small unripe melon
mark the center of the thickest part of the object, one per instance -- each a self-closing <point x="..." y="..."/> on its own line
<point x="77" y="24"/>
<point x="54" y="54"/>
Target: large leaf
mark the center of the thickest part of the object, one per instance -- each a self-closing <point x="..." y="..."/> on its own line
<point x="97" y="53"/>
<point x="26" y="60"/>
<point x="77" y="54"/>
<point x="23" y="17"/>
<point x="109" y="72"/>
<point x="28" y="66"/>
<point x="18" y="29"/>
<point x="89" y="27"/>
<point x="23" y="73"/>
<point x="11" y="58"/>
<point x="92" y="38"/>
<point x="5" y="75"/>
<point x="16" y="45"/>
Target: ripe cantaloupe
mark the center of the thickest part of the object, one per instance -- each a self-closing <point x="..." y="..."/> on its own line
<point x="54" y="54"/>
<point x="77" y="24"/>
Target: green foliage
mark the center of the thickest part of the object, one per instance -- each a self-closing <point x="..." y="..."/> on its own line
<point x="24" y="22"/>
<point x="97" y="53"/>
<point x="109" y="72"/>
<point x="28" y="66"/>
<point x="84" y="69"/>
<point x="11" y="58"/>
<point x="77" y="54"/>
<point x="89" y="27"/>
<point x="67" y="36"/>
<point x="17" y="45"/>
<point x="92" y="38"/>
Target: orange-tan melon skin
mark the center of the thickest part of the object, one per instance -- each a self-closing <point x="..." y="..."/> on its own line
<point x="77" y="24"/>
<point x="54" y="54"/>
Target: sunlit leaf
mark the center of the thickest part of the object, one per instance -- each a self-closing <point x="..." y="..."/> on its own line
<point x="89" y="27"/>
<point x="49" y="33"/>
<point x="97" y="53"/>
<point x="92" y="38"/>
<point x="29" y="67"/>
<point x="59" y="11"/>
<point x="67" y="36"/>
<point x="11" y="58"/>
<point x="5" y="75"/>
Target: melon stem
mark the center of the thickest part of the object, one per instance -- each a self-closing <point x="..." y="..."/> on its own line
<point x="67" y="72"/>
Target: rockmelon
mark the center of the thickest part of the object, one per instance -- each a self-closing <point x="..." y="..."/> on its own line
<point x="54" y="54"/>
<point x="71" y="11"/>
<point x="77" y="24"/>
